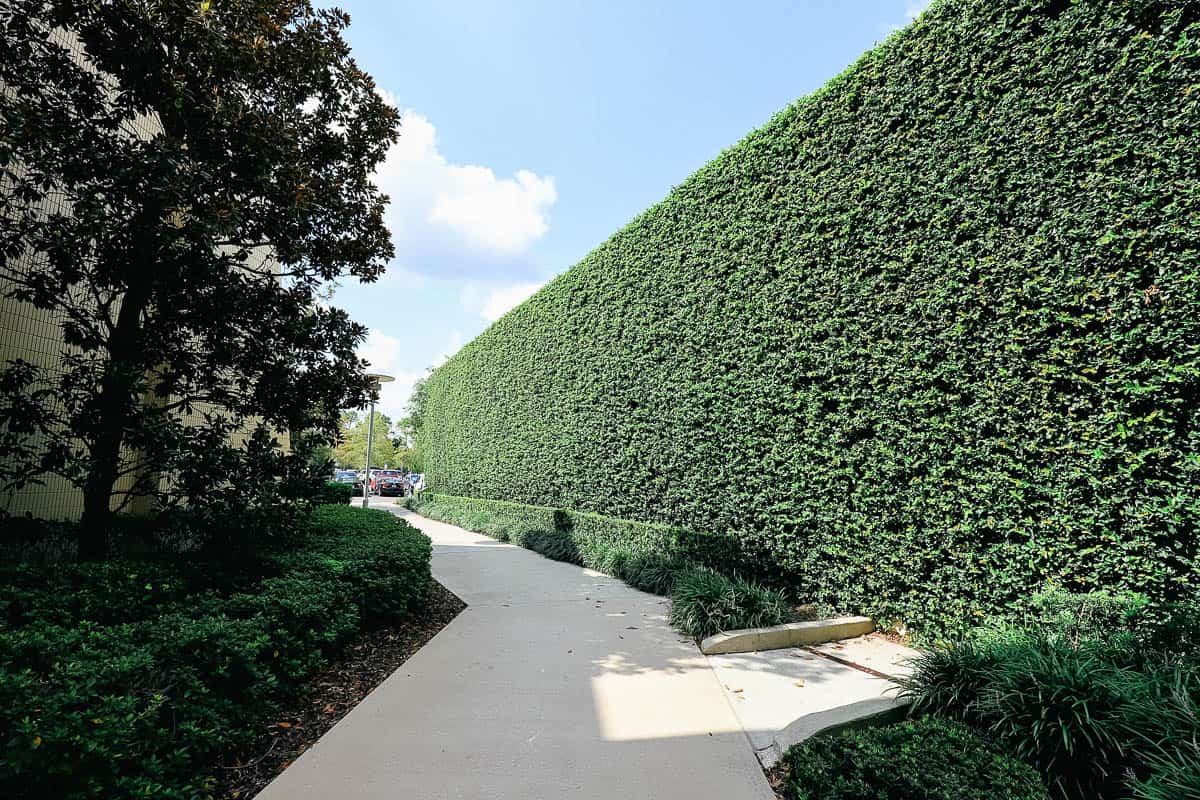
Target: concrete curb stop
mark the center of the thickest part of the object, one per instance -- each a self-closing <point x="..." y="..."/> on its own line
<point x="875" y="711"/>
<point x="793" y="634"/>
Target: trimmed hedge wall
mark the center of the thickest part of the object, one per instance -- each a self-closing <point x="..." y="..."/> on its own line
<point x="926" y="341"/>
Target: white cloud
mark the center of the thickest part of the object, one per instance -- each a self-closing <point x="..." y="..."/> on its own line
<point x="453" y="344"/>
<point x="385" y="355"/>
<point x="493" y="302"/>
<point x="458" y="220"/>
<point x="503" y="300"/>
<point x="501" y="215"/>
<point x="914" y="8"/>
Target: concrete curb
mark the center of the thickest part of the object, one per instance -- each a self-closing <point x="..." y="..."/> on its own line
<point x="792" y="634"/>
<point x="876" y="711"/>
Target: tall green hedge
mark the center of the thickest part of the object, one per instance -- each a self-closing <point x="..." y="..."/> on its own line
<point x="929" y="338"/>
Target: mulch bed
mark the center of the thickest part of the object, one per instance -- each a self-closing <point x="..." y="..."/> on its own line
<point x="337" y="689"/>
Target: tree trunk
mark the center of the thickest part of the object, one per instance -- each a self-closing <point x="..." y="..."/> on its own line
<point x="104" y="445"/>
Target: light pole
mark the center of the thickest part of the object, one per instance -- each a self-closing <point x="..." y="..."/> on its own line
<point x="378" y="379"/>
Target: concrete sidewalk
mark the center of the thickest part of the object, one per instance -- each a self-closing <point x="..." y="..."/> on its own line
<point x="554" y="682"/>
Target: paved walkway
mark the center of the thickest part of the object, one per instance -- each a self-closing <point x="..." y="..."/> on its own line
<point x="555" y="682"/>
<point x="772" y="689"/>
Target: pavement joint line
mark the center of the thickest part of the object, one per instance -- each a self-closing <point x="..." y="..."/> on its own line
<point x="729" y="702"/>
<point x="847" y="663"/>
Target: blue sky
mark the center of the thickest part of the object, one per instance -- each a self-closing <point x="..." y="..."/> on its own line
<point x="534" y="130"/>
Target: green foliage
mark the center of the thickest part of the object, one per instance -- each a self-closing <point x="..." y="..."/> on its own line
<point x="558" y="545"/>
<point x="334" y="493"/>
<point x="931" y="331"/>
<point x="704" y="602"/>
<point x="384" y="559"/>
<point x="927" y="759"/>
<point x="128" y="678"/>
<point x="1089" y="706"/>
<point x="653" y="558"/>
<point x="591" y="532"/>
<point x="233" y="150"/>
<point x="652" y="572"/>
<point x="1088" y="617"/>
<point x="1175" y="777"/>
<point x="351" y="451"/>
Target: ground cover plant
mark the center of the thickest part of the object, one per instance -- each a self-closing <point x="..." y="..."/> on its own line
<point x="924" y="343"/>
<point x="333" y="493"/>
<point x="653" y="558"/>
<point x="307" y="715"/>
<point x="1099" y="695"/>
<point x="927" y="759"/>
<point x="130" y="677"/>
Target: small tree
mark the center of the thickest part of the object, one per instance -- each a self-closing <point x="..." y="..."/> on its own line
<point x="352" y="449"/>
<point x="177" y="194"/>
<point x="410" y="426"/>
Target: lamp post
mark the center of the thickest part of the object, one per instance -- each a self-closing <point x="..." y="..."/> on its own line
<point x="377" y="379"/>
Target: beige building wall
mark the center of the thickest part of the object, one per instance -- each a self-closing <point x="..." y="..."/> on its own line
<point x="35" y="335"/>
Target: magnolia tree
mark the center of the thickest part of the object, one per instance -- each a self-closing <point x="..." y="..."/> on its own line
<point x="178" y="182"/>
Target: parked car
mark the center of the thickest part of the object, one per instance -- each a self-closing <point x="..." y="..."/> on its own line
<point x="351" y="476"/>
<point x="387" y="482"/>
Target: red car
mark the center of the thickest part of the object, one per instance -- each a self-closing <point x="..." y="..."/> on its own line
<point x="386" y="482"/>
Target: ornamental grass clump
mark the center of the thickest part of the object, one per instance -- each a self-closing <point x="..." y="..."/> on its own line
<point x="654" y="573"/>
<point x="1175" y="775"/>
<point x="557" y="545"/>
<point x="704" y="602"/>
<point x="1091" y="690"/>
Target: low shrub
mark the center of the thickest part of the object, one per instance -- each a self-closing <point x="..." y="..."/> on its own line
<point x="557" y="545"/>
<point x="704" y="602"/>
<point x="333" y="493"/>
<point x="1090" y="617"/>
<point x="927" y="759"/>
<point x="1175" y="631"/>
<point x="129" y="679"/>
<point x="1092" y="691"/>
<point x="653" y="558"/>
<point x="654" y="573"/>
<point x="589" y="531"/>
<point x="383" y="558"/>
<point x="649" y="572"/>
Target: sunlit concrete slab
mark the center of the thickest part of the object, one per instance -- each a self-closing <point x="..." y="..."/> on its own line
<point x="773" y="689"/>
<point x="874" y="652"/>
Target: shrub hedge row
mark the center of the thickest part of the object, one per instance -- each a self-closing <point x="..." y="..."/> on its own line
<point x="653" y="558"/>
<point x="927" y="759"/>
<point x="719" y="551"/>
<point x="334" y="493"/>
<point x="931" y="335"/>
<point x="130" y="678"/>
